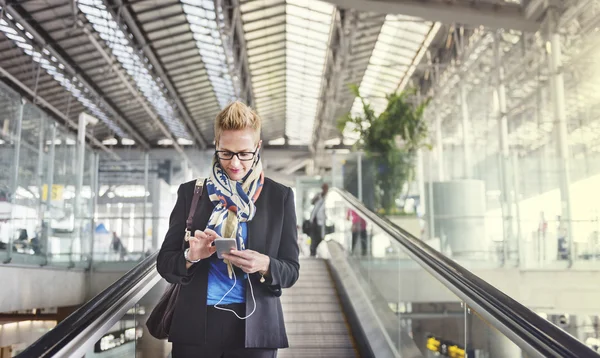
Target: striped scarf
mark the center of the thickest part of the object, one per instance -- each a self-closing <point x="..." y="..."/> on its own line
<point x="233" y="201"/>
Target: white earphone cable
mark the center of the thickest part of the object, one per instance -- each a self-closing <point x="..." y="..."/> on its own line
<point x="230" y="310"/>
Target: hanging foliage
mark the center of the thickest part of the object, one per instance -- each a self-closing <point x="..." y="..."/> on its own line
<point x="391" y="140"/>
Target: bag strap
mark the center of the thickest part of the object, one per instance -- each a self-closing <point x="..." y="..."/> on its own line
<point x="198" y="188"/>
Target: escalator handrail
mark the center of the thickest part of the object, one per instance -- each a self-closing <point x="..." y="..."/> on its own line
<point x="511" y="317"/>
<point x="74" y="324"/>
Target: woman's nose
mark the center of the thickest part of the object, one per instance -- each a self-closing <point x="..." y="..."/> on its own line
<point x="235" y="160"/>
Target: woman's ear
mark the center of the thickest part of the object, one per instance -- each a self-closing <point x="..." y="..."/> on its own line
<point x="259" y="145"/>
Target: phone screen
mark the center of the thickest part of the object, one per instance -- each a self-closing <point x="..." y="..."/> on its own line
<point x="224" y="245"/>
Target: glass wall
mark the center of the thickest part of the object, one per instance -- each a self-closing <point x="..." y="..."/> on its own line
<point x="502" y="128"/>
<point x="394" y="284"/>
<point x="129" y="223"/>
<point x="44" y="217"/>
<point x="540" y="202"/>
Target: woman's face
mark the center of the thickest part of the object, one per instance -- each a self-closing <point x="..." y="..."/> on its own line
<point x="237" y="141"/>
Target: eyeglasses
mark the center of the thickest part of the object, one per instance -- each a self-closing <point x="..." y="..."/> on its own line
<point x="243" y="156"/>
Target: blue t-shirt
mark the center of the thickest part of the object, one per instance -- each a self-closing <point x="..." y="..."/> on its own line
<point x="219" y="282"/>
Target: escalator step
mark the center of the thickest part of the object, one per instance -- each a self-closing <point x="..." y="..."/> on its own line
<point x="314" y="318"/>
<point x="304" y="317"/>
<point x="316" y="327"/>
<point x="320" y="340"/>
<point x="287" y="298"/>
<point x="313" y="284"/>
<point x="317" y="353"/>
<point x="311" y="307"/>
<point x="310" y="291"/>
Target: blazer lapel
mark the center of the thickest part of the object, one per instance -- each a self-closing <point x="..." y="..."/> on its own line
<point x="257" y="233"/>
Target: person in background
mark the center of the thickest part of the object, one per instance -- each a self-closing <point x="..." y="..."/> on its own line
<point x="359" y="230"/>
<point x="318" y="218"/>
<point x="117" y="246"/>
<point x="224" y="311"/>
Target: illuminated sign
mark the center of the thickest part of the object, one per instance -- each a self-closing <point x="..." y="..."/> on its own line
<point x="445" y="348"/>
<point x="116" y="339"/>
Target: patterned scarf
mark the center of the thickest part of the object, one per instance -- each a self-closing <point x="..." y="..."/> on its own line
<point x="233" y="201"/>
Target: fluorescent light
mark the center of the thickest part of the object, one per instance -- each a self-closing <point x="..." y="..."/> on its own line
<point x="183" y="141"/>
<point x="165" y="141"/>
<point x="278" y="141"/>
<point x="110" y="141"/>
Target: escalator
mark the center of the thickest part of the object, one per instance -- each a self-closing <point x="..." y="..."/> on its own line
<point x="315" y="321"/>
<point x="350" y="303"/>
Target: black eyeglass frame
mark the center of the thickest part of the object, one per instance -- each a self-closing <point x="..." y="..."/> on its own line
<point x="236" y="154"/>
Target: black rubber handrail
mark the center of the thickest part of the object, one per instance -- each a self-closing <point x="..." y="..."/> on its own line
<point x="51" y="342"/>
<point x="541" y="336"/>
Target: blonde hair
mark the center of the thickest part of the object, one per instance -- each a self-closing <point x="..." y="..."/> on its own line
<point x="237" y="116"/>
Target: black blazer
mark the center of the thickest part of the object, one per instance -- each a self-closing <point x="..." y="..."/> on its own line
<point x="272" y="232"/>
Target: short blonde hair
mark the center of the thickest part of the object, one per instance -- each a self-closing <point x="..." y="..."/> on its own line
<point x="237" y="116"/>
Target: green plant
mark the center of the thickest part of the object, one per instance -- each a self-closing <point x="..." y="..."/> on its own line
<point x="391" y="140"/>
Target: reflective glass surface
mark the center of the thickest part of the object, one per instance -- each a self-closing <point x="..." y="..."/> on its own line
<point x="415" y="310"/>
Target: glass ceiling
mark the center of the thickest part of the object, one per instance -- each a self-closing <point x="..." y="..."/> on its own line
<point x="287" y="45"/>
<point x="14" y="31"/>
<point x="204" y="24"/>
<point x="109" y="31"/>
<point x="400" y="46"/>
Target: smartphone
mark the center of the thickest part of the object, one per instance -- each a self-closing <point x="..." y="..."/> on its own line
<point x="224" y="245"/>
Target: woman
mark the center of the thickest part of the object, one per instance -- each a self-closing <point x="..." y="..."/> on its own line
<point x="231" y="308"/>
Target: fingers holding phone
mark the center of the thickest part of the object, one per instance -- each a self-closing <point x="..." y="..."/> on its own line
<point x="201" y="245"/>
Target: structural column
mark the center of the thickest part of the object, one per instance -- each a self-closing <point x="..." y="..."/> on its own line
<point x="421" y="181"/>
<point x="94" y="189"/>
<point x="39" y="177"/>
<point x="146" y="191"/>
<point x="468" y="168"/>
<point x="15" y="173"/>
<point x="504" y="154"/>
<point x="439" y="146"/>
<point x="50" y="181"/>
<point x="84" y="120"/>
<point x="558" y="89"/>
<point x="430" y="210"/>
<point x="360" y="176"/>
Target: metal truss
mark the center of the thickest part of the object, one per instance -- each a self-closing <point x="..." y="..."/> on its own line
<point x="507" y="15"/>
<point x="119" y="10"/>
<point x="232" y="33"/>
<point x="42" y="40"/>
<point x="340" y="44"/>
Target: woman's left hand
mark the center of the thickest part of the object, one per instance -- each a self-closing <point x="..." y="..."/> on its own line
<point x="249" y="261"/>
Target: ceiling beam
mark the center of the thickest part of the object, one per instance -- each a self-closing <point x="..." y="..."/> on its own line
<point x="41" y="101"/>
<point x="343" y="33"/>
<point x="140" y="41"/>
<point x="233" y="37"/>
<point x="505" y="16"/>
<point x="43" y="40"/>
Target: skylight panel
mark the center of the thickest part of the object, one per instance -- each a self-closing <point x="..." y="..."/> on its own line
<point x="54" y="69"/>
<point x="258" y="6"/>
<point x="399" y="47"/>
<point x="287" y="49"/>
<point x="275" y="39"/>
<point x="205" y="25"/>
<point x="103" y="23"/>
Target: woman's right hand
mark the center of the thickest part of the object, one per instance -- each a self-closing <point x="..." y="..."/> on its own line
<point x="201" y="245"/>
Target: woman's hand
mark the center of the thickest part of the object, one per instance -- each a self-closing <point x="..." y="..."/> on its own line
<point x="249" y="261"/>
<point x="201" y="244"/>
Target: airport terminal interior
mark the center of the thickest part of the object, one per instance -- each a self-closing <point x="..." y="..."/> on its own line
<point x="452" y="148"/>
